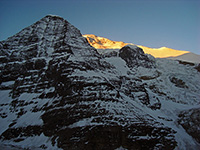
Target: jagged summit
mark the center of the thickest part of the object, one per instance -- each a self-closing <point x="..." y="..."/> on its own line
<point x="44" y="26"/>
<point x="58" y="92"/>
<point x="44" y="38"/>
<point x="55" y="16"/>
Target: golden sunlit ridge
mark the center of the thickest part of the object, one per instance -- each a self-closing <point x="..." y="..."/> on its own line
<point x="104" y="43"/>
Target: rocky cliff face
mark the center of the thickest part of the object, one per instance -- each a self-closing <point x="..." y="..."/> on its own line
<point x="135" y="57"/>
<point x="58" y="92"/>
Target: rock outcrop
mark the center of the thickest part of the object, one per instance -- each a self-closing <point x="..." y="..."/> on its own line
<point x="134" y="57"/>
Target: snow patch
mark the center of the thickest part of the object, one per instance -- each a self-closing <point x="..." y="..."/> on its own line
<point x="132" y="46"/>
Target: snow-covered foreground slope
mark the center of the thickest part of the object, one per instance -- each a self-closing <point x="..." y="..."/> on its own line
<point x="58" y="92"/>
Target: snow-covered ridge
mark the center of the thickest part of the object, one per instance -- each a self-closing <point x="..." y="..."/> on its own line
<point x="104" y="43"/>
<point x="132" y="46"/>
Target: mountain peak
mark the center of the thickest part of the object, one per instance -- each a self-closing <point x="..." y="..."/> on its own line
<point x="54" y="18"/>
<point x="51" y="15"/>
<point x="50" y="25"/>
<point x="104" y="43"/>
<point x="42" y="38"/>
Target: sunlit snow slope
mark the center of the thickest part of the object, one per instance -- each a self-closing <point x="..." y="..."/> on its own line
<point x="104" y="43"/>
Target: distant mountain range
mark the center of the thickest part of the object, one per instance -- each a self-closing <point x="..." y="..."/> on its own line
<point x="162" y="52"/>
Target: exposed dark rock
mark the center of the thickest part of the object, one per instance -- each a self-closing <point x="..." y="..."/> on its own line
<point x="198" y="68"/>
<point x="178" y="82"/>
<point x="28" y="131"/>
<point x="135" y="136"/>
<point x="190" y="120"/>
<point x="134" y="57"/>
<point x="186" y="63"/>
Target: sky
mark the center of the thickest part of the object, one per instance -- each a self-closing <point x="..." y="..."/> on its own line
<point x="152" y="23"/>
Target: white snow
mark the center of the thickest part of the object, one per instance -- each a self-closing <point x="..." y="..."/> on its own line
<point x="119" y="64"/>
<point x="188" y="57"/>
<point x="29" y="118"/>
<point x="132" y="46"/>
<point x="7" y="83"/>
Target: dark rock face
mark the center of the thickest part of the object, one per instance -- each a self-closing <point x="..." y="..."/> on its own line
<point x="21" y="133"/>
<point x="186" y="63"/>
<point x="178" y="82"/>
<point x="114" y="137"/>
<point x="59" y="91"/>
<point x="198" y="68"/>
<point x="134" y="57"/>
<point x="190" y="120"/>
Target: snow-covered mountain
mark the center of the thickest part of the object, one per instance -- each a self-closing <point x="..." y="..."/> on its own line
<point x="102" y="44"/>
<point x="58" y="92"/>
<point x="188" y="57"/>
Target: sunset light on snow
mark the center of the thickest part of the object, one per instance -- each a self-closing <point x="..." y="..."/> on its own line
<point x="104" y="43"/>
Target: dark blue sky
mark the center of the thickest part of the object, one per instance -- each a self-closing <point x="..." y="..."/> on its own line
<point x="152" y="23"/>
